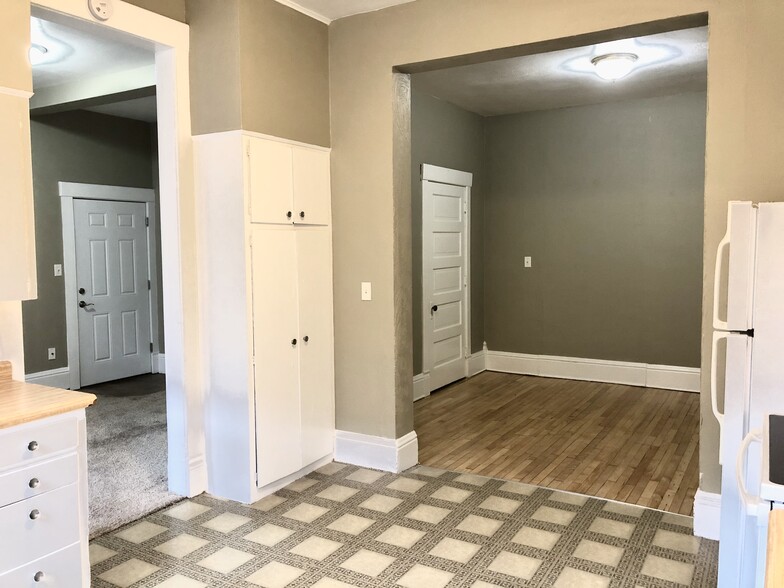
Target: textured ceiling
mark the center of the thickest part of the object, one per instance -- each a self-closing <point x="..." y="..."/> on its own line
<point x="669" y="63"/>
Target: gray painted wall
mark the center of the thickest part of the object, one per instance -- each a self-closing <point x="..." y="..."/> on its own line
<point x="443" y="134"/>
<point x="75" y="146"/>
<point x="608" y="200"/>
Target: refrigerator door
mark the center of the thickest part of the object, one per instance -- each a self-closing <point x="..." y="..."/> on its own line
<point x="732" y="308"/>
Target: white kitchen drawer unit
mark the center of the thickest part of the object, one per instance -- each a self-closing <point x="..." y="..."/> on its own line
<point x="37" y="440"/>
<point x="61" y="569"/>
<point x="38" y="526"/>
<point x="38" y="478"/>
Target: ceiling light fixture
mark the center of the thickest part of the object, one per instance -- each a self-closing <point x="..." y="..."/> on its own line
<point x="614" y="66"/>
<point x="37" y="53"/>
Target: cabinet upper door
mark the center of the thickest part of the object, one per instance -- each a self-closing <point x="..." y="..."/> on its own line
<point x="270" y="181"/>
<point x="312" y="204"/>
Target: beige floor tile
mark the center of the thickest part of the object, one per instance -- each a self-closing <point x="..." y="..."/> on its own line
<point x="351" y="524"/>
<point x="420" y="576"/>
<point x="451" y="494"/>
<point x="571" y="578"/>
<point x="180" y="581"/>
<point x="301" y="485"/>
<point x="128" y="573"/>
<point x="536" y="538"/>
<point x="275" y="575"/>
<point x="428" y="514"/>
<point x="429" y="472"/>
<point x="331" y="583"/>
<point x="226" y="522"/>
<point x="401" y="536"/>
<point x="141" y="532"/>
<point x="406" y="485"/>
<point x="680" y="520"/>
<point x="455" y="550"/>
<point x="483" y="584"/>
<point x="306" y="513"/>
<point x="472" y="479"/>
<point x="677" y="541"/>
<point x="553" y="515"/>
<point x="607" y="555"/>
<point x="186" y="510"/>
<point x="480" y="525"/>
<point x="518" y="488"/>
<point x="667" y="569"/>
<point x="381" y="503"/>
<point x="364" y="476"/>
<point x="181" y="545"/>
<point x="368" y="562"/>
<point x="267" y="503"/>
<point x="630" y="510"/>
<point x="331" y="468"/>
<point x="316" y="548"/>
<point x="269" y="535"/>
<point x="337" y="493"/>
<point x="498" y="504"/>
<point x="511" y="564"/>
<point x="226" y="560"/>
<point x="612" y="528"/>
<point x="567" y="498"/>
<point x="99" y="553"/>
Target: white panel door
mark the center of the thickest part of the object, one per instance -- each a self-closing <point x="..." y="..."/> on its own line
<point x="311" y="187"/>
<point x="112" y="275"/>
<point x="276" y="350"/>
<point x="270" y="181"/>
<point x="444" y="279"/>
<point x="317" y="377"/>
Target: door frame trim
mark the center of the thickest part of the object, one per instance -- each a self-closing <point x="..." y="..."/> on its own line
<point x="445" y="175"/>
<point x="69" y="192"/>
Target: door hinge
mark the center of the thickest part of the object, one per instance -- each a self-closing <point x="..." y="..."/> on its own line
<point x="150" y="346"/>
<point x="149" y="285"/>
<point x="147" y="221"/>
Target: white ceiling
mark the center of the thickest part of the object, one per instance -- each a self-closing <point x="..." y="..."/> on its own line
<point x="144" y="109"/>
<point x="329" y="10"/>
<point x="669" y="63"/>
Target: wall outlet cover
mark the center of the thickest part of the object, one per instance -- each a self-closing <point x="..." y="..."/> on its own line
<point x="58" y="269"/>
<point x="52" y="353"/>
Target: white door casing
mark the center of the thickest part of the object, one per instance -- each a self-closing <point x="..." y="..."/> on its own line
<point x="112" y="278"/>
<point x="445" y="280"/>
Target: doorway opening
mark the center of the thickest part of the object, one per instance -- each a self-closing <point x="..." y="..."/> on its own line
<point x="586" y="264"/>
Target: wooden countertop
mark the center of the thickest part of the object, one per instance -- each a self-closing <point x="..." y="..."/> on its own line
<point x="22" y="403"/>
<point x="774" y="566"/>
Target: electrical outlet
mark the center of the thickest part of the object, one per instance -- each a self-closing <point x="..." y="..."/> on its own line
<point x="52" y="353"/>
<point x="367" y="292"/>
<point x="58" y="270"/>
<point x="527" y="262"/>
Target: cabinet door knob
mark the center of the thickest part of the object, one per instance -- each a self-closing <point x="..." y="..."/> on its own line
<point x="32" y="446"/>
<point x="38" y="576"/>
<point x="302" y="214"/>
<point x="293" y="341"/>
<point x="34" y="483"/>
<point x="288" y="214"/>
<point x="434" y="308"/>
<point x="34" y="514"/>
<point x="306" y="338"/>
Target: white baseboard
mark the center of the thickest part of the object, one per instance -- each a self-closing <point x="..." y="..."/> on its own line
<point x="57" y="378"/>
<point x="283" y="482"/>
<point x="477" y="362"/>
<point x="596" y="370"/>
<point x="707" y="512"/>
<point x="159" y="363"/>
<point x="379" y="453"/>
<point x="421" y="386"/>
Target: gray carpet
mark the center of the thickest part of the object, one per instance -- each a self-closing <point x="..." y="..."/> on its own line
<point x="126" y="458"/>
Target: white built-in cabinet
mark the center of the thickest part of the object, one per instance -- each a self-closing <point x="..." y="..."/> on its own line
<point x="265" y="216"/>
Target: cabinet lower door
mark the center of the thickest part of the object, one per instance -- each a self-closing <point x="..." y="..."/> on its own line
<point x="276" y="342"/>
<point x="317" y="378"/>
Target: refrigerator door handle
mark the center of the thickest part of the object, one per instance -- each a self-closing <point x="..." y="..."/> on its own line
<point x="714" y="383"/>
<point x="750" y="503"/>
<point x="721" y="252"/>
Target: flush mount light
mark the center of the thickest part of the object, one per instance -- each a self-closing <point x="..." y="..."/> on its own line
<point x="614" y="66"/>
<point x="37" y="53"/>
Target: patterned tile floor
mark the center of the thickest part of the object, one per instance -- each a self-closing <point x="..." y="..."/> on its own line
<point x="344" y="526"/>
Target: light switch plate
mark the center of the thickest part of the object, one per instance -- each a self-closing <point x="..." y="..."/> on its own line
<point x="58" y="269"/>
<point x="527" y="261"/>
<point x="367" y="292"/>
<point x="52" y="353"/>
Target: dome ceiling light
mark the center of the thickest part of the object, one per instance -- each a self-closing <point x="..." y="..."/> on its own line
<point x="614" y="66"/>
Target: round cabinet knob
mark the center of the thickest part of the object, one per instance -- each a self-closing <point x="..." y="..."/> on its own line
<point x="434" y="308"/>
<point x="306" y="338"/>
<point x="34" y="514"/>
<point x="293" y="341"/>
<point x="34" y="483"/>
<point x="32" y="446"/>
<point x="288" y="214"/>
<point x="302" y="214"/>
<point x="38" y="576"/>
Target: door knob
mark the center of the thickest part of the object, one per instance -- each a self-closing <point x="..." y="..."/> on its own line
<point x="433" y="308"/>
<point x="83" y="304"/>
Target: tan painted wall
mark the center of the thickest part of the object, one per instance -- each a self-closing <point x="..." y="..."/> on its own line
<point x="14" y="44"/>
<point x="744" y="151"/>
<point x="174" y="9"/>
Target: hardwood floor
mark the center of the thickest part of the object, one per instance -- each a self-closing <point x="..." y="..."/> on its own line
<point x="635" y="445"/>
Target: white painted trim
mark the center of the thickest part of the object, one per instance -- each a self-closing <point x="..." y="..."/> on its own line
<point x="596" y="370"/>
<point x="283" y="482"/>
<point x="707" y="514"/>
<point x="26" y="94"/>
<point x="477" y="362"/>
<point x="102" y="192"/>
<point x="421" y="386"/>
<point x="158" y="363"/>
<point x="306" y="11"/>
<point x="444" y="175"/>
<point x="255" y="135"/>
<point x="379" y="453"/>
<point x="57" y="378"/>
<point x="69" y="277"/>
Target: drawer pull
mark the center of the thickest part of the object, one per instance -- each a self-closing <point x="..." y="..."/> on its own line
<point x="34" y="483"/>
<point x="32" y="446"/>
<point x="35" y="513"/>
<point x="38" y="576"/>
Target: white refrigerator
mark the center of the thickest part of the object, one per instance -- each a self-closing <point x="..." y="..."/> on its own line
<point x="748" y="314"/>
